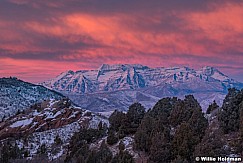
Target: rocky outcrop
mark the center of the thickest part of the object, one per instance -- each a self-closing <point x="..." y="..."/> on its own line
<point x="41" y="117"/>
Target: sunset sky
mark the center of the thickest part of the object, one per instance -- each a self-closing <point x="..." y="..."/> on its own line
<point x="41" y="39"/>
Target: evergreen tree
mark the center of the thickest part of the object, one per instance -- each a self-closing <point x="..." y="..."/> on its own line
<point x="183" y="142"/>
<point x="189" y="134"/>
<point x="26" y="153"/>
<point x="121" y="146"/>
<point x="42" y="149"/>
<point x="198" y="123"/>
<point x="5" y="153"/>
<point x="116" y="120"/>
<point x="123" y="157"/>
<point x="100" y="126"/>
<point x="111" y="138"/>
<point x="78" y="149"/>
<point x="104" y="154"/>
<point x="134" y="115"/>
<point x="239" y="142"/>
<point x="143" y="135"/>
<point x="160" y="150"/>
<point x="90" y="159"/>
<point x="58" y="140"/>
<point x="9" y="152"/>
<point x="182" y="110"/>
<point x="125" y="128"/>
<point x="212" y="107"/>
<point x="162" y="109"/>
<point x="211" y="145"/>
<point x="229" y="114"/>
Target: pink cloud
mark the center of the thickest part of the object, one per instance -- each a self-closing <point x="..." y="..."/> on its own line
<point x="67" y="36"/>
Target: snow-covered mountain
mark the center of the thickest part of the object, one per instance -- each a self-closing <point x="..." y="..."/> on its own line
<point x="121" y="77"/>
<point x="127" y="83"/>
<point x="17" y="95"/>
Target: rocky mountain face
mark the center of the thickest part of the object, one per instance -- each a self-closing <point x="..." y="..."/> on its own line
<point x="16" y="95"/>
<point x="122" y="77"/>
<point x="118" y="86"/>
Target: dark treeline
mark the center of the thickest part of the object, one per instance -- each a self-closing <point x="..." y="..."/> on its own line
<point x="176" y="130"/>
<point x="79" y="151"/>
<point x="169" y="132"/>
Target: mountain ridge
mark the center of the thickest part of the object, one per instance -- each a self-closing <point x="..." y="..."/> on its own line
<point x="122" y="84"/>
<point x="132" y="76"/>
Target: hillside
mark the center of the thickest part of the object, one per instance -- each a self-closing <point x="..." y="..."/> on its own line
<point x="17" y="95"/>
<point x="49" y="125"/>
<point x="174" y="130"/>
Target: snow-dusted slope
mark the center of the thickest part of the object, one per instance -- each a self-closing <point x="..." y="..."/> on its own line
<point x="43" y="122"/>
<point x="17" y="95"/>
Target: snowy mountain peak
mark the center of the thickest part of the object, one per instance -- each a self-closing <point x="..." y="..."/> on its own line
<point x="188" y="68"/>
<point x="118" y="86"/>
<point x="67" y="72"/>
<point x="208" y="70"/>
<point x="124" y="67"/>
<point x="216" y="74"/>
<point x="135" y="76"/>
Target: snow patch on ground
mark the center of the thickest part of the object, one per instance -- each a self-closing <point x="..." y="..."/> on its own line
<point x="94" y="122"/>
<point x="22" y="123"/>
<point x="106" y="114"/>
<point x="48" y="138"/>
